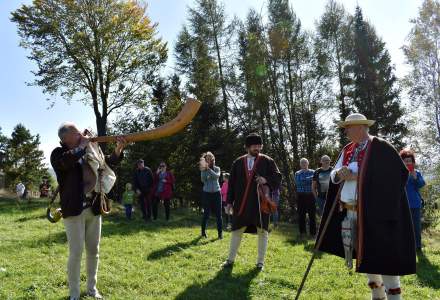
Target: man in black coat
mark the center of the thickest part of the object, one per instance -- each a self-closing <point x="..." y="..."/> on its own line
<point x="81" y="210"/>
<point x="247" y="172"/>
<point x="372" y="220"/>
<point x="142" y="183"/>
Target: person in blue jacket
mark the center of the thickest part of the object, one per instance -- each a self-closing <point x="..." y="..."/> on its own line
<point x="414" y="184"/>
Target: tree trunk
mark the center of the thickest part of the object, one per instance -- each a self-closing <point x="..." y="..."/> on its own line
<point x="222" y="81"/>
<point x="292" y="114"/>
<point x="343" y="111"/>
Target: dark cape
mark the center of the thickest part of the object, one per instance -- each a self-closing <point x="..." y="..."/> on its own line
<point x="386" y="242"/>
<point x="250" y="216"/>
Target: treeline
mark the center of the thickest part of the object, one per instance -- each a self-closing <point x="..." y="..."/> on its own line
<point x="259" y="74"/>
<point x="271" y="76"/>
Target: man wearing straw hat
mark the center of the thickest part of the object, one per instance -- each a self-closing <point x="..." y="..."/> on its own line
<point x="372" y="221"/>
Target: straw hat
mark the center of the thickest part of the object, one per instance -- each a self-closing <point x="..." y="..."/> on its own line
<point x="356" y="119"/>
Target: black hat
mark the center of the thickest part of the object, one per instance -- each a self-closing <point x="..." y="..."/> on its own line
<point x="253" y="139"/>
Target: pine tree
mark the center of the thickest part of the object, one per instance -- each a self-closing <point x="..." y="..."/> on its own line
<point x="374" y="86"/>
<point x="24" y="161"/>
<point x="209" y="23"/>
<point x="334" y="39"/>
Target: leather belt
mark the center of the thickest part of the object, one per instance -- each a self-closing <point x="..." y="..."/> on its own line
<point x="352" y="207"/>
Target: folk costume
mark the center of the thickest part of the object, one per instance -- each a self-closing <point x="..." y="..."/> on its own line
<point x="372" y="221"/>
<point x="83" y="174"/>
<point x="242" y="195"/>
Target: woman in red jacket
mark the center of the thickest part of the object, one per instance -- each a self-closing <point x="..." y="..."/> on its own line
<point x="162" y="189"/>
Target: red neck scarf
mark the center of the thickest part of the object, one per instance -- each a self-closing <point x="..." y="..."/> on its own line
<point x="350" y="151"/>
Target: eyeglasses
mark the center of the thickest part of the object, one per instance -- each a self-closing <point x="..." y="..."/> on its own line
<point x="162" y="166"/>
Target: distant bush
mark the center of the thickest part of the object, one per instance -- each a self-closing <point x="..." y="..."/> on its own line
<point x="430" y="212"/>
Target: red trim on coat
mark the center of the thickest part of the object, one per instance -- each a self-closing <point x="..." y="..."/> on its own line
<point x="360" y="204"/>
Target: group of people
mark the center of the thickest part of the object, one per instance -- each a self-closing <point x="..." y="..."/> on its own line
<point x="150" y="190"/>
<point x="362" y="199"/>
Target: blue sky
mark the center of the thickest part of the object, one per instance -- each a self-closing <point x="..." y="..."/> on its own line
<point x="20" y="103"/>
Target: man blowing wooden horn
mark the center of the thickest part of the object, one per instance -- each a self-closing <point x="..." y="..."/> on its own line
<point x="247" y="172"/>
<point x="373" y="222"/>
<point x="83" y="175"/>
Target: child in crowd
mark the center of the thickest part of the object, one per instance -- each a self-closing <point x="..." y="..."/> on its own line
<point x="127" y="200"/>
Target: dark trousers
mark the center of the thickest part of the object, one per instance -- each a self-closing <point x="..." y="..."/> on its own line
<point x="166" y="203"/>
<point x="306" y="205"/>
<point x="128" y="210"/>
<point x="145" y="205"/>
<point x="416" y="218"/>
<point x="212" y="201"/>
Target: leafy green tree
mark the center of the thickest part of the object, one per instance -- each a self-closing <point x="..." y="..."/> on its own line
<point x="24" y="161"/>
<point x="103" y="53"/>
<point x="422" y="55"/>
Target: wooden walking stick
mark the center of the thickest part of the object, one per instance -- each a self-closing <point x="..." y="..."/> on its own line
<point x="318" y="244"/>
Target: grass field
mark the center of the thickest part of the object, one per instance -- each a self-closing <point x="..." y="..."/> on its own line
<point x="168" y="260"/>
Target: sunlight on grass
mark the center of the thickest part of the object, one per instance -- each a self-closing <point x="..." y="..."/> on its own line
<point x="168" y="260"/>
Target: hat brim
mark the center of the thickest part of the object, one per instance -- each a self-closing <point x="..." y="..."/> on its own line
<point x="345" y="124"/>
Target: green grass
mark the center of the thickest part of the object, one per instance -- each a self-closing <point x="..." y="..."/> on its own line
<point x="163" y="260"/>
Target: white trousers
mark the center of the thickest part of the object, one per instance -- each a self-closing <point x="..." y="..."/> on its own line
<point x="383" y="286"/>
<point x="237" y="235"/>
<point x="84" y="229"/>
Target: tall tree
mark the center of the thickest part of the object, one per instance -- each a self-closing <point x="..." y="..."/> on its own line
<point x="423" y="55"/>
<point x="252" y="83"/>
<point x="24" y="161"/>
<point x="207" y="131"/>
<point x="374" y="86"/>
<point x="104" y="52"/>
<point x="209" y="22"/>
<point x="334" y="38"/>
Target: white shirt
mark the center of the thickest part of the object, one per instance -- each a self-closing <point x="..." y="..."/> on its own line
<point x="250" y="162"/>
<point x="348" y="193"/>
<point x="20" y="189"/>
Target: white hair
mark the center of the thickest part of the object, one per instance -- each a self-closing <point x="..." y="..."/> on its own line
<point x="325" y="157"/>
<point x="65" y="128"/>
<point x="305" y="160"/>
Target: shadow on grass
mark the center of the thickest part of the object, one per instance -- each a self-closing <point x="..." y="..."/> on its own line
<point x="308" y="245"/>
<point x="176" y="248"/>
<point x="10" y="206"/>
<point x="117" y="224"/>
<point x="29" y="218"/>
<point x="427" y="272"/>
<point x="222" y="286"/>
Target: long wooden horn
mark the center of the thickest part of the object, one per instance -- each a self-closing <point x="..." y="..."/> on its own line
<point x="185" y="116"/>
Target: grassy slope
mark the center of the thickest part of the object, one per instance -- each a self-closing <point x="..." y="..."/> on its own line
<point x="167" y="261"/>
